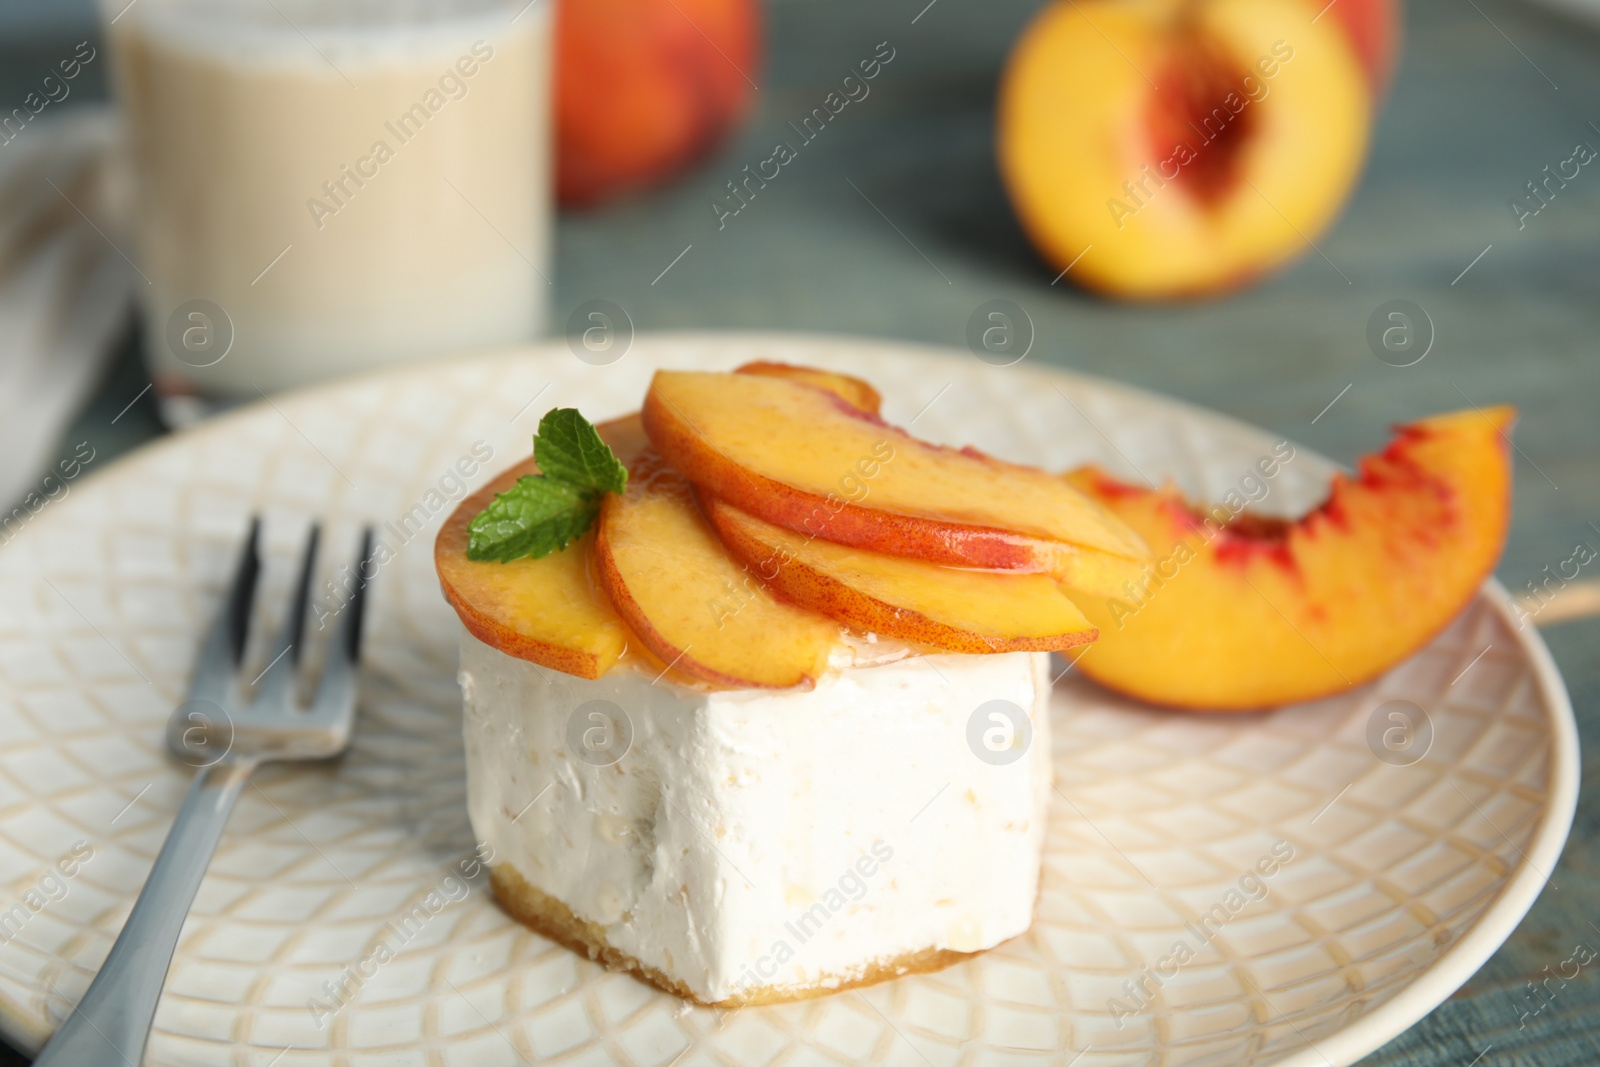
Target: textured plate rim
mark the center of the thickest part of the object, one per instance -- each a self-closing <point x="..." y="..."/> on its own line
<point x="1426" y="991"/>
<point x="1434" y="984"/>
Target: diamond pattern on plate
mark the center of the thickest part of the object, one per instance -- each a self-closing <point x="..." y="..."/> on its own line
<point x="1158" y="938"/>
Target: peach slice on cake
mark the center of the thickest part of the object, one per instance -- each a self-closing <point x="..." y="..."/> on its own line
<point x="1259" y="612"/>
<point x="801" y="458"/>
<point x="689" y="601"/>
<point x="548" y="610"/>
<point x="846" y="387"/>
<point x="910" y="599"/>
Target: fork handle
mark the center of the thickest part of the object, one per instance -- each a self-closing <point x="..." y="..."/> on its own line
<point x="111" y="1023"/>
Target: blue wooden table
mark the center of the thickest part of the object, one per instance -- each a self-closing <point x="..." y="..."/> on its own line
<point x="893" y="223"/>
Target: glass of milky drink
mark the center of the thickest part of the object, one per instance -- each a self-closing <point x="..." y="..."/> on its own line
<point x="324" y="186"/>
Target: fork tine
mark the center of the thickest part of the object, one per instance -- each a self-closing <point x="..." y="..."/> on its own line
<point x="224" y="645"/>
<point x="278" y="676"/>
<point x="357" y="608"/>
<point x="336" y="694"/>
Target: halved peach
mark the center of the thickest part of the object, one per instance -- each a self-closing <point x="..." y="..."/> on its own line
<point x="547" y="610"/>
<point x="801" y="458"/>
<point x="846" y="387"/>
<point x="1165" y="148"/>
<point x="915" y="601"/>
<point x="691" y="604"/>
<point x="1243" y="612"/>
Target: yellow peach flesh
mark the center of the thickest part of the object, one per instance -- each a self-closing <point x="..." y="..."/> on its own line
<point x="1104" y="163"/>
<point x="1260" y="613"/>
<point x="547" y="610"/>
<point x="922" y="603"/>
<point x="799" y="458"/>
<point x="696" y="608"/>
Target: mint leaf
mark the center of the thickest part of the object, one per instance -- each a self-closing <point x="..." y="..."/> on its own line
<point x="535" y="517"/>
<point x="568" y="449"/>
<point x="543" y="513"/>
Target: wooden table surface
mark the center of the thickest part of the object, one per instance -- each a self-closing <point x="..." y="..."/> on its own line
<point x="892" y="223"/>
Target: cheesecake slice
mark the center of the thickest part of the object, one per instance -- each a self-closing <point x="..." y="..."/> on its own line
<point x="727" y="747"/>
<point x="742" y="847"/>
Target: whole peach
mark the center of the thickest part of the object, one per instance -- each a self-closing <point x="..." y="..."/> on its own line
<point x="645" y="87"/>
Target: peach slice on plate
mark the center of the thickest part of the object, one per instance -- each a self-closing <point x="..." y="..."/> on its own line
<point x="850" y="389"/>
<point x="915" y="601"/>
<point x="689" y="602"/>
<point x="1262" y="612"/>
<point x="801" y="458"/>
<point x="547" y="610"/>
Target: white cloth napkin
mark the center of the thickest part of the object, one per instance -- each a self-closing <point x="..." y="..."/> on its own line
<point x="65" y="288"/>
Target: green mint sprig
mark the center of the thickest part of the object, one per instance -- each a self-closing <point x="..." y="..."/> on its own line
<point x="543" y="513"/>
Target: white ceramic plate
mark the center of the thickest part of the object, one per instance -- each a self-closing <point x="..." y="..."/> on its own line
<point x="1403" y="879"/>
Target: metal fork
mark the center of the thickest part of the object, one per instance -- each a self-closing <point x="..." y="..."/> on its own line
<point x="228" y="735"/>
